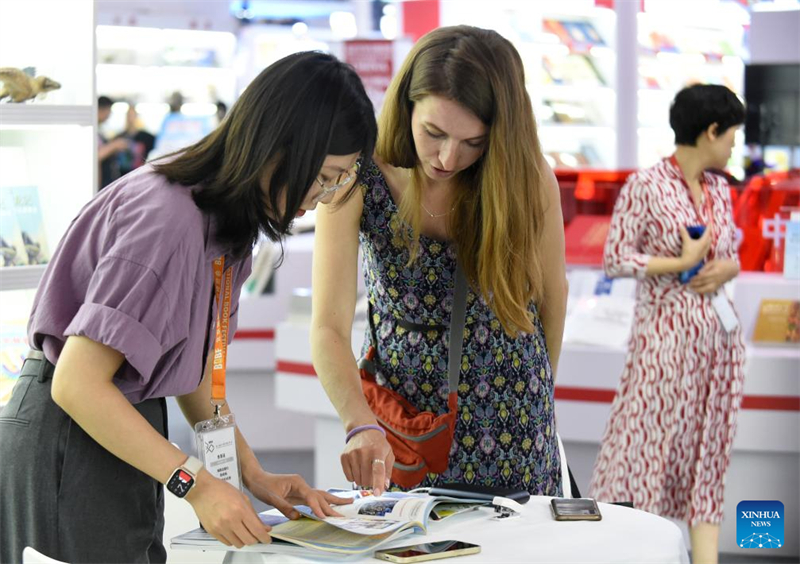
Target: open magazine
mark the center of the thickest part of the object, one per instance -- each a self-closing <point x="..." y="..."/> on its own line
<point x="369" y="523"/>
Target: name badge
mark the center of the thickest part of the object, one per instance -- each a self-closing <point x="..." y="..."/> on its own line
<point x="216" y="447"/>
<point x="724" y="311"/>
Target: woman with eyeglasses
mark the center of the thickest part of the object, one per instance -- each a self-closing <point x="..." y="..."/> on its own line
<point x="459" y="178"/>
<point x="125" y="316"/>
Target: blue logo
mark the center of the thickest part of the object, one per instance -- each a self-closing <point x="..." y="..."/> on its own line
<point x="759" y="524"/>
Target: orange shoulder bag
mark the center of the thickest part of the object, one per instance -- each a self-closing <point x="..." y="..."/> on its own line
<point x="420" y="440"/>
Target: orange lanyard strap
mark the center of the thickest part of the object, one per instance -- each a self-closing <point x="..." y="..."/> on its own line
<point x="223" y="281"/>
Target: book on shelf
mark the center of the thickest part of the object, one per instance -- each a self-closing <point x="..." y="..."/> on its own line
<point x="573" y="69"/>
<point x="21" y="207"/>
<point x="12" y="249"/>
<point x="366" y="525"/>
<point x="778" y="323"/>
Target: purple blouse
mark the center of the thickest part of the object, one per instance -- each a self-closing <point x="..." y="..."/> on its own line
<point x="134" y="272"/>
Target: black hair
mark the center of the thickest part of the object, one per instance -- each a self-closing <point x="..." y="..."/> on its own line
<point x="697" y="107"/>
<point x="296" y="112"/>
<point x="104" y="102"/>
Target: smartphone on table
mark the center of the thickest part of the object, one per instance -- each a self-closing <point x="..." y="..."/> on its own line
<point x="428" y="551"/>
<point x="580" y="509"/>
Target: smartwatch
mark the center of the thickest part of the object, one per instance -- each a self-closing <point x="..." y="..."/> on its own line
<point x="184" y="476"/>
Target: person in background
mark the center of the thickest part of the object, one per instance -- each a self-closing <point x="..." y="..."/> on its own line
<point x="179" y="130"/>
<point x="222" y="109"/>
<point x="668" y="440"/>
<point x="459" y="177"/>
<point x="107" y="151"/>
<point x="140" y="142"/>
<point x="125" y="316"/>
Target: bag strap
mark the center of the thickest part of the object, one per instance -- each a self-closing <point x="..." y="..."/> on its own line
<point x="457" y="322"/>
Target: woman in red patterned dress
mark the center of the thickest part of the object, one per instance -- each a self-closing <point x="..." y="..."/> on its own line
<point x="668" y="440"/>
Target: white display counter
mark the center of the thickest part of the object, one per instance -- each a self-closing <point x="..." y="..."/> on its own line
<point x="623" y="535"/>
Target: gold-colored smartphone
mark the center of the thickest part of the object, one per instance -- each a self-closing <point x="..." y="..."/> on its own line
<point x="581" y="509"/>
<point x="429" y="551"/>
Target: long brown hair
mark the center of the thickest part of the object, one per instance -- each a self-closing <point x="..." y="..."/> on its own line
<point x="296" y="112"/>
<point x="498" y="221"/>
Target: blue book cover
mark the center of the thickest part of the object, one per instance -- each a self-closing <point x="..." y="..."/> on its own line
<point x="791" y="250"/>
<point x="28" y="211"/>
<point x="12" y="249"/>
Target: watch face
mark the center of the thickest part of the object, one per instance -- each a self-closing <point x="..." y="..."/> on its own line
<point x="180" y="483"/>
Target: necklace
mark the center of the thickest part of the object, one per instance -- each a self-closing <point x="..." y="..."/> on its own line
<point x="435" y="215"/>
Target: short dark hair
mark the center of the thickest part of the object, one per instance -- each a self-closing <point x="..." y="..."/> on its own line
<point x="296" y="112"/>
<point x="697" y="107"/>
<point x="104" y="102"/>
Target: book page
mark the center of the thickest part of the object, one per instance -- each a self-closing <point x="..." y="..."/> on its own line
<point x="292" y="536"/>
<point x="392" y="505"/>
<point x="350" y="535"/>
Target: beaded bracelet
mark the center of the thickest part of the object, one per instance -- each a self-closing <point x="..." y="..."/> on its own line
<point x="356" y="430"/>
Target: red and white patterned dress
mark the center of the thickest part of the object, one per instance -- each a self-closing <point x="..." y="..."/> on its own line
<point x="668" y="441"/>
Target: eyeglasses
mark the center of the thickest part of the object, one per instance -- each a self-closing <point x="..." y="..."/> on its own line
<point x="339" y="182"/>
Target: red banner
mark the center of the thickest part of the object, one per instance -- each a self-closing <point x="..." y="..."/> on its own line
<point x="373" y="63"/>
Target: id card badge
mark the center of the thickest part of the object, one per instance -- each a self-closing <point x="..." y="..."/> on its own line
<point x="724" y="311"/>
<point x="216" y="447"/>
<point x="216" y="437"/>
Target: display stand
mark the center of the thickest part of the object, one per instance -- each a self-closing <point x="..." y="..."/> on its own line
<point x="47" y="144"/>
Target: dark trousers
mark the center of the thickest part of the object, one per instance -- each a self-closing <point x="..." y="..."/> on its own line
<point x="65" y="495"/>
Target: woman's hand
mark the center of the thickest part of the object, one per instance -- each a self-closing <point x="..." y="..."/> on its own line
<point x="694" y="250"/>
<point x="714" y="274"/>
<point x="367" y="460"/>
<point x="284" y="491"/>
<point x="226" y="513"/>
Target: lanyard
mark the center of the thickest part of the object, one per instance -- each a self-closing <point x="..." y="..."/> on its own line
<point x="222" y="288"/>
<point x="706" y="197"/>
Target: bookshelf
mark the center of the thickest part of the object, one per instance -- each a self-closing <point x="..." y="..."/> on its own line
<point x="568" y="48"/>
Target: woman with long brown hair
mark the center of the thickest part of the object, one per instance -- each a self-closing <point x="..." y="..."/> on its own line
<point x="459" y="183"/>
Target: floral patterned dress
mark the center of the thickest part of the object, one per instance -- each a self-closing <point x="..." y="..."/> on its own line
<point x="505" y="434"/>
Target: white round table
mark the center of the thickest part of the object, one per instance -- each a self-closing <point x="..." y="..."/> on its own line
<point x="623" y="535"/>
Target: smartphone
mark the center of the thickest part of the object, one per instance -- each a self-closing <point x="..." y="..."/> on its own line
<point x="429" y="551"/>
<point x="581" y="509"/>
<point x="695" y="232"/>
